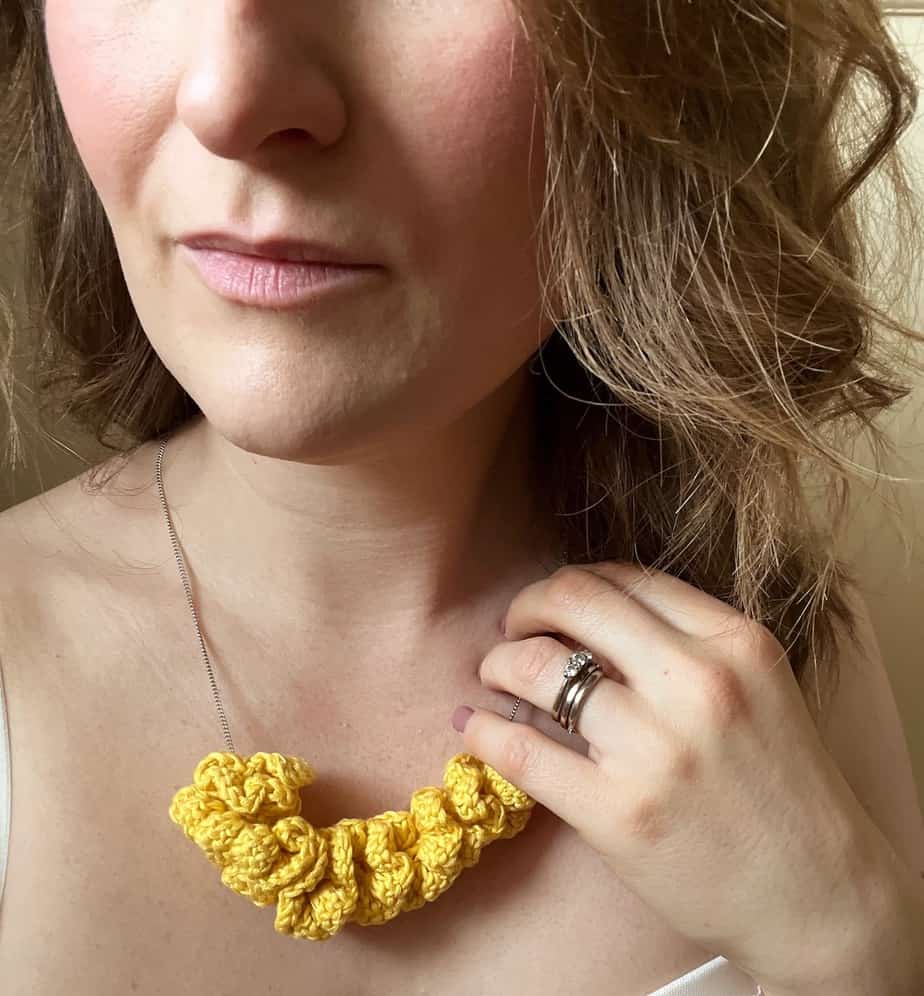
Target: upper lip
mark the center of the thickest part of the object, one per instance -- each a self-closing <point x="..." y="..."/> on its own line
<point x="273" y="247"/>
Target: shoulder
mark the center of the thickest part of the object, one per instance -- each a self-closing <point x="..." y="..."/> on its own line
<point x="75" y="518"/>
<point x="39" y="554"/>
<point x="40" y="537"/>
<point x="61" y="546"/>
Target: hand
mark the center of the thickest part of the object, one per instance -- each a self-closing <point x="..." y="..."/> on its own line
<point x="706" y="787"/>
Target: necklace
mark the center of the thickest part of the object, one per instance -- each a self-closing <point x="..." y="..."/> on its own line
<point x="244" y="812"/>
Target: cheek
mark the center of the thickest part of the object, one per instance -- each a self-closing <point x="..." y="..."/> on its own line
<point x="476" y="192"/>
<point x="472" y="138"/>
<point x="105" y="92"/>
<point x="478" y="122"/>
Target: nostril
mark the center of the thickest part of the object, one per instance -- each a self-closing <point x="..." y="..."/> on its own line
<point x="292" y="135"/>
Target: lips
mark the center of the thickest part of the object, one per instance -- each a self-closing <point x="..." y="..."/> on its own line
<point x="271" y="282"/>
<point x="276" y="247"/>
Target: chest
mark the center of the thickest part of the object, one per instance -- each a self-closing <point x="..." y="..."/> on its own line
<point x="105" y="894"/>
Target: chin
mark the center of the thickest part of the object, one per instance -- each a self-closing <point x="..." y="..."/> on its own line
<point x="282" y="435"/>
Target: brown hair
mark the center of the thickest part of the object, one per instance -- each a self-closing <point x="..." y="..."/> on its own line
<point x="703" y="243"/>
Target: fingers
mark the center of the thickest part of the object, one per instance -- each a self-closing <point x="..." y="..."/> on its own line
<point x="533" y="669"/>
<point x="561" y="779"/>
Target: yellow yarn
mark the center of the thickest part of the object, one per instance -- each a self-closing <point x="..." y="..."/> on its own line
<point x="244" y="814"/>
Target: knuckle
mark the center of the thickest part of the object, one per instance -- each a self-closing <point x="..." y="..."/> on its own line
<point x="644" y="819"/>
<point x="520" y="755"/>
<point x="756" y="645"/>
<point x="533" y="657"/>
<point x="674" y="757"/>
<point x="646" y="816"/>
<point x="571" y="587"/>
<point x="683" y="764"/>
<point x="722" y="696"/>
<point x="768" y="652"/>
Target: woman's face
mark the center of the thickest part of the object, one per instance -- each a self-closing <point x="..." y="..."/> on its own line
<point x="400" y="129"/>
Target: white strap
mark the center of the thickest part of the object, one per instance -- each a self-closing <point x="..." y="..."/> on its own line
<point x="718" y="977"/>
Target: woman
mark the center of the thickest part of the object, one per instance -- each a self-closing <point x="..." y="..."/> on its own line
<point x="610" y="295"/>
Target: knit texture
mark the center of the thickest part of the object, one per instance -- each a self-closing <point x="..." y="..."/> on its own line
<point x="244" y="814"/>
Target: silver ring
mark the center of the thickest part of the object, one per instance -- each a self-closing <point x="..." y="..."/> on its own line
<point x="574" y="666"/>
<point x="580" y="674"/>
<point x="580" y="697"/>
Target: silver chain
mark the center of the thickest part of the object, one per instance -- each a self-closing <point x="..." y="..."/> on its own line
<point x="185" y="579"/>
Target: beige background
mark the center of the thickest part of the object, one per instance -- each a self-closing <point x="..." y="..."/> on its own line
<point x="890" y="560"/>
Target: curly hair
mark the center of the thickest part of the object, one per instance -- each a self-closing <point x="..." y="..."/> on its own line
<point x="704" y="262"/>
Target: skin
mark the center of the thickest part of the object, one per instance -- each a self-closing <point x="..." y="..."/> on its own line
<point x="369" y="456"/>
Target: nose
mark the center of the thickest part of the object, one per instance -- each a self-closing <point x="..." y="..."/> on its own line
<point x="249" y="76"/>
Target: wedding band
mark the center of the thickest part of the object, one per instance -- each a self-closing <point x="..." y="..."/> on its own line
<point x="580" y="696"/>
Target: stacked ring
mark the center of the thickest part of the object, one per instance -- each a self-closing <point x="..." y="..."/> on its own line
<point x="580" y="675"/>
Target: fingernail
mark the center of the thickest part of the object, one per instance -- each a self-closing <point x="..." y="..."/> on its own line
<point x="460" y="717"/>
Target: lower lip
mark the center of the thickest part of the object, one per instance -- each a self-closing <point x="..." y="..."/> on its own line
<point x="272" y="283"/>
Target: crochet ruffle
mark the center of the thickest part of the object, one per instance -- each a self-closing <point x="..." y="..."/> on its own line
<point x="244" y="814"/>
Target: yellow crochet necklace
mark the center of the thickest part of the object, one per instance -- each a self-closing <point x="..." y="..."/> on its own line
<point x="244" y="812"/>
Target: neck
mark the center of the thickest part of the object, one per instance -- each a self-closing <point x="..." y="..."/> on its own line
<point x="417" y="544"/>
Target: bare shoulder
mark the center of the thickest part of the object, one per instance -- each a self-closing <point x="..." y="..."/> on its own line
<point x="80" y="508"/>
<point x="58" y="546"/>
<point x="99" y="519"/>
<point x="36" y="550"/>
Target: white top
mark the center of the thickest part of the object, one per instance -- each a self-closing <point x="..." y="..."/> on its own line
<point x="714" y="978"/>
<point x="718" y="977"/>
